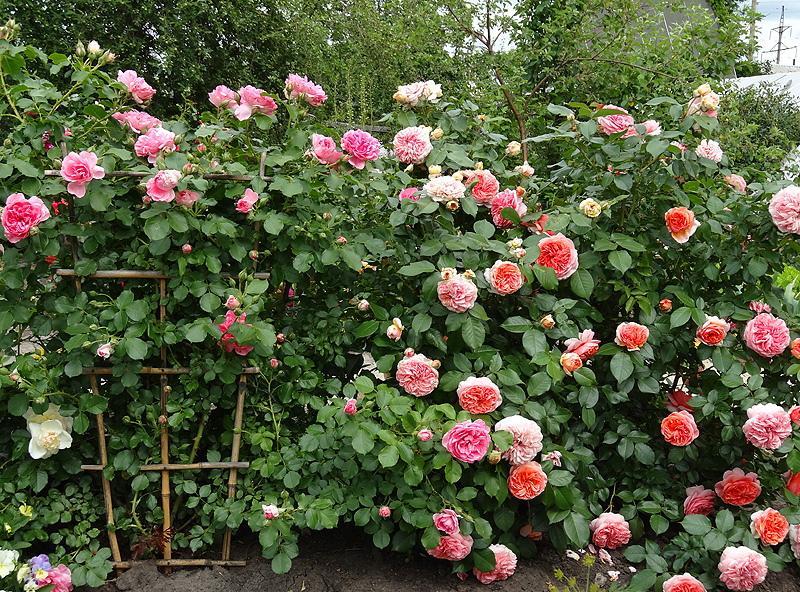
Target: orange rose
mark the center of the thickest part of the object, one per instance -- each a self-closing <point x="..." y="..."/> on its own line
<point x="795" y="348"/>
<point x="681" y="223"/>
<point x="738" y="488"/>
<point x="570" y="362"/>
<point x="770" y="526"/>
<point x="527" y="481"/>
<point x="631" y="336"/>
<point x="793" y="483"/>
<point x="679" y="428"/>
<point x="713" y="331"/>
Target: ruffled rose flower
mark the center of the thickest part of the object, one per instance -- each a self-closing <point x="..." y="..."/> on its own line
<point x="631" y="336"/>
<point x="468" y="441"/>
<point x="452" y="547"/>
<point x="679" y="428"/>
<point x="416" y="375"/>
<point x="137" y="121"/>
<point x="738" y="488"/>
<point x="506" y="199"/>
<point x="446" y="521"/>
<point x="795" y="348"/>
<point x="444" y="189"/>
<point x="156" y="141"/>
<point x="570" y="362"/>
<point x="299" y="87"/>
<point x="794" y="539"/>
<point x="679" y="400"/>
<point x="136" y="85"/>
<point x="384" y="511"/>
<point x="361" y="147"/>
<point x="681" y="223"/>
<point x="78" y="169"/>
<point x="504" y="278"/>
<point x="457" y="293"/>
<point x="683" y="583"/>
<point x="610" y="531"/>
<point x="741" y="568"/>
<point x="409" y="193"/>
<point x="59" y="577"/>
<point x="245" y="203"/>
<point x="527" y="480"/>
<point x="713" y="331"/>
<point x="478" y="395"/>
<point x="737" y="182"/>
<point x="418" y="92"/>
<point x="228" y="341"/>
<point x="21" y="215"/>
<point x="223" y="97"/>
<point x="614" y="124"/>
<point x="768" y="426"/>
<point x="784" y="208"/>
<point x="413" y="144"/>
<point x="709" y="149"/>
<point x="505" y="564"/>
<point x="527" y="438"/>
<point x="770" y="526"/>
<point x="253" y="100"/>
<point x="162" y="186"/>
<point x="767" y="335"/>
<point x="585" y="345"/>
<point x="699" y="500"/>
<point x="484" y="185"/>
<point x="186" y="197"/>
<point x="559" y="253"/>
<point x="324" y="149"/>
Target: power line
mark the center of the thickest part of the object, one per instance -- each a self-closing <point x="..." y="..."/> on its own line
<point x="780" y="29"/>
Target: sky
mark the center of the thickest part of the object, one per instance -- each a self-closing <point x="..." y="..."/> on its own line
<point x="771" y="9"/>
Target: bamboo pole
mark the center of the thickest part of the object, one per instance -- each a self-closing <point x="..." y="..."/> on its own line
<point x="181" y="563"/>
<point x="165" y="389"/>
<point x="234" y="474"/>
<point x="106" y="371"/>
<point x="199" y="466"/>
<point x="143" y="174"/>
<point x="136" y="274"/>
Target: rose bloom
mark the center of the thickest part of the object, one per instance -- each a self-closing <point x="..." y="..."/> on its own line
<point x="610" y="531"/>
<point x="631" y="336"/>
<point x="590" y="208"/>
<point x="324" y="149"/>
<point x="410" y="193"/>
<point x="156" y="141"/>
<point x="506" y="199"/>
<point x="186" y="197"/>
<point x="468" y="441"/>
<point x="253" y="100"/>
<point x="784" y="208"/>
<point x="766" y="335"/>
<point x="737" y="182"/>
<point x="768" y="426"/>
<point x="570" y="362"/>
<point x="105" y="350"/>
<point x="413" y="144"/>
<point x="452" y="547"/>
<point x="770" y="526"/>
<point x="444" y="189"/>
<point x="21" y="215"/>
<point x="395" y="330"/>
<point x="527" y="480"/>
<point x="136" y="85"/>
<point x="585" y="345"/>
<point x="759" y="306"/>
<point x="270" y="511"/>
<point x="478" y="395"/>
<point x="683" y="583"/>
<point x="424" y="435"/>
<point x="681" y="223"/>
<point x="361" y="147"/>
<point x="614" y="124"/>
<point x="59" y="577"/>
<point x="699" y="500"/>
<point x="232" y="303"/>
<point x="446" y="521"/>
<point x="741" y="568"/>
<point x="679" y="400"/>
<point x="527" y="441"/>
<point x="416" y="375"/>
<point x="384" y="511"/>
<point x="504" y="278"/>
<point x="138" y="121"/>
<point x="418" y="92"/>
<point x="794" y="414"/>
<point x="795" y="348"/>
<point x="513" y="148"/>
<point x="738" y="488"/>
<point x="665" y="305"/>
<point x="713" y="331"/>
<point x="559" y="253"/>
<point x="505" y="564"/>
<point x="351" y="407"/>
<point x="794" y="539"/>
<point x="457" y="294"/>
<point x="679" y="428"/>
<point x="651" y="127"/>
<point x="245" y="203"/>
<point x="78" y="169"/>
<point x="485" y="186"/>
<point x="301" y="88"/>
<point x="228" y="341"/>
<point x="222" y="96"/>
<point x="161" y="187"/>
<point x="709" y="149"/>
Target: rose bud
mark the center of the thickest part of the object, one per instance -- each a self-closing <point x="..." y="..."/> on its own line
<point x="327" y="216"/>
<point x="424" y="435"/>
<point x="201" y="147"/>
<point x="350" y="407"/>
<point x="253" y="255"/>
<point x="452" y="205"/>
<point x="547" y="322"/>
<point x="186" y="249"/>
<point x="665" y="305"/>
<point x="232" y="303"/>
<point x="494" y="457"/>
<point x="341" y="240"/>
<point x="280" y="338"/>
<point x="437" y="134"/>
<point x="384" y="512"/>
<point x="363" y="305"/>
<point x="274" y="362"/>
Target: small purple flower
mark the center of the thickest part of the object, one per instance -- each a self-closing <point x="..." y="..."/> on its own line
<point x="40" y="562"/>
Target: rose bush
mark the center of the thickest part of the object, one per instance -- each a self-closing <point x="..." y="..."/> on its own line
<point x="457" y="355"/>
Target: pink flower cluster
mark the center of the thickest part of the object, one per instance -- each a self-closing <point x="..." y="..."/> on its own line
<point x="244" y="103"/>
<point x="136" y="85"/>
<point x="228" y="341"/>
<point x="300" y="88"/>
<point x="154" y="142"/>
<point x="137" y="121"/>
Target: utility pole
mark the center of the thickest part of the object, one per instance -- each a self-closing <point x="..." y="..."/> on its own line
<point x="754" y="9"/>
<point x="781" y="29"/>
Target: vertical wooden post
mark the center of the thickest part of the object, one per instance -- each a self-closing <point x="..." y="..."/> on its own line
<point x="165" y="493"/>
<point x="234" y="473"/>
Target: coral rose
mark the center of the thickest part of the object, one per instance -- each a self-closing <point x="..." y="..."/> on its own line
<point x="784" y="208"/>
<point x="452" y="547"/>
<point x="485" y="187"/>
<point x="610" y="531"/>
<point x="417" y="375"/>
<point x="570" y="362"/>
<point x="413" y="144"/>
<point x="738" y="488"/>
<point x="766" y="335"/>
<point x="527" y="481"/>
<point x="631" y="336"/>
<point x="506" y="199"/>
<point x="504" y="278"/>
<point x="768" y="426"/>
<point x="616" y="123"/>
<point x="527" y="441"/>
<point x="21" y="215"/>
<point x="770" y="526"/>
<point x="228" y="341"/>
<point x="446" y="521"/>
<point x="78" y="169"/>
<point x="558" y="253"/>
<point x="679" y="428"/>
<point x="699" y="500"/>
<point x="679" y="400"/>
<point x="794" y="348"/>
<point x="361" y="147"/>
<point x="713" y="331"/>
<point x="585" y="345"/>
<point x="794" y="414"/>
<point x="458" y="293"/>
<point x="478" y="395"/>
<point x="741" y="568"/>
<point x="681" y="223"/>
<point x="505" y="564"/>
<point x="683" y="583"/>
<point x="737" y="182"/>
<point x="468" y="441"/>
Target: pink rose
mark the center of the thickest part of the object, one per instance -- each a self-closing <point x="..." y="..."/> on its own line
<point x="794" y="413"/>
<point x="222" y="96"/>
<point x="468" y="441"/>
<point x="527" y="441"/>
<point x="585" y="345"/>
<point x="161" y="187"/>
<point x="154" y="142"/>
<point x="794" y="539"/>
<point x="186" y="197"/>
<point x="384" y="511"/>
<point x="713" y="331"/>
<point x="138" y="121"/>
<point x="768" y="426"/>
<point x="59" y="577"/>
<point x="741" y="568"/>
<point x="683" y="583"/>
<point x="505" y="564"/>
<point x="558" y="253"/>
<point x="457" y="293"/>
<point x="232" y="303"/>
<point x="410" y="193"/>
<point x="679" y="400"/>
<point x="485" y="187"/>
<point x="444" y="189"/>
<point x="413" y="144"/>
<point x="614" y="124"/>
<point x="504" y="278"/>
<point x="681" y="223"/>
<point x="78" y="169"/>
<point x="446" y="521"/>
<point x="769" y="526"/>
<point x="253" y="100"/>
<point x="766" y="335"/>
<point x="737" y="182"/>
<point x="738" y="488"/>
<point x="424" y="435"/>
<point x="709" y="149"/>
<point x="361" y="147"/>
<point x="228" y="341"/>
<point x="136" y="85"/>
<point x="416" y="375"/>
<point x="270" y="512"/>
<point x="104" y="351"/>
<point x="478" y="395"/>
<point x="21" y="215"/>
<point x="610" y="531"/>
<point x="651" y="127"/>
<point x="679" y="428"/>
<point x="324" y="149"/>
<point x="452" y="547"/>
<point x="699" y="500"/>
<point x="784" y="208"/>
<point x="246" y="203"/>
<point x="759" y="306"/>
<point x="301" y="88"/>
<point x="554" y="457"/>
<point x="351" y="407"/>
<point x="506" y="199"/>
<point x="631" y="336"/>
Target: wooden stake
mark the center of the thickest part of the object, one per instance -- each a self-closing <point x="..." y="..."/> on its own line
<point x="167" y="519"/>
<point x="234" y="474"/>
<point x="181" y="563"/>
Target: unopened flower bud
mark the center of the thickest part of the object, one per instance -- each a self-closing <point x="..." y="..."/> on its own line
<point x="274" y="362"/>
<point x="547" y="322"/>
<point x="408" y="352"/>
<point x="14" y="377"/>
<point x="458" y="176"/>
<point x="384" y="512"/>
<point x="665" y="305"/>
<point x="424" y="435"/>
<point x="341" y="240"/>
<point x="108" y="58"/>
<point x="478" y="166"/>
<point x="351" y="407"/>
<point x="469" y="274"/>
<point x="93" y="48"/>
<point x="253" y="255"/>
<point x="363" y="305"/>
<point x="186" y="249"/>
<point x="481" y="117"/>
<point x="436" y="364"/>
<point x="162" y="420"/>
<point x="232" y="302"/>
<point x="80" y="49"/>
<point x="437" y="134"/>
<point x="434" y="171"/>
<point x="494" y="457"/>
<point x="327" y="216"/>
<point x="513" y="148"/>
<point x="452" y="205"/>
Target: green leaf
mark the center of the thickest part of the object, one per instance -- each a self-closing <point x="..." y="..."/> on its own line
<point x="417" y="268"/>
<point x="621" y="260"/>
<point x="576" y="528"/>
<point x="136" y="348"/>
<point x="582" y="283"/>
<point x="18" y="404"/>
<point x="366" y="328"/>
<point x="534" y="342"/>
<point x="621" y="366"/>
<point x="517" y="325"/>
<point x="680" y="317"/>
<point x="388" y="457"/>
<point x="696" y="524"/>
<point x="157" y="228"/>
<point x="138" y="310"/>
<point x="643" y="581"/>
<point x="363" y="441"/>
<point x="281" y="563"/>
<point x="473" y="332"/>
<point x="273" y="224"/>
<point x="546" y="277"/>
<point x="659" y="524"/>
<point x="210" y="302"/>
<point x="483" y="559"/>
<point x="196" y="333"/>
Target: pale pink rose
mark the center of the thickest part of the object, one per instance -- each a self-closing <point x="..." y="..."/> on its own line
<point x="452" y="547"/>
<point x="154" y="142"/>
<point x="504" y="278"/>
<point x="444" y="189"/>
<point x="506" y="199"/>
<point x="59" y="577"/>
<point x="558" y="253"/>
<point x="713" y="331"/>
<point x="104" y="351"/>
<point x="585" y="345"/>
<point x="228" y="341"/>
<point x="484" y="185"/>
<point x="699" y="500"/>
<point x="301" y="88"/>
<point x="253" y="100"/>
<point x="138" y="121"/>
<point x="413" y="144"/>
<point x="324" y="149"/>
<point x="223" y="97"/>
<point x="741" y="568"/>
<point x="418" y="92"/>
<point x="186" y="197"/>
<point x="446" y="521"/>
<point x="351" y="407"/>
<point x="794" y="539"/>
<point x="679" y="400"/>
<point x="784" y="208"/>
<point x="768" y="426"/>
<point x="759" y="306"/>
<point x="136" y="85"/>
<point x="21" y="215"/>
<point x="270" y="512"/>
<point x="78" y="169"/>
<point x="709" y="149"/>
<point x="767" y="335"/>
<point x="738" y="488"/>
<point x="468" y="441"/>
<point x="232" y="303"/>
<point x="384" y="511"/>
<point x="247" y="201"/>
<point x="395" y="330"/>
<point x="361" y="147"/>
<point x="614" y="124"/>
<point x="652" y="127"/>
<point x="416" y="375"/>
<point x="554" y="457"/>
<point x="610" y="531"/>
<point x="737" y="182"/>
<point x="683" y="583"/>
<point x="769" y="526"/>
<point x="631" y="336"/>
<point x="527" y="438"/>
<point x="458" y="293"/>
<point x="679" y="145"/>
<point x="162" y="186"/>
<point x="424" y="435"/>
<point x="478" y="395"/>
<point x="505" y="564"/>
<point x="410" y="193"/>
<point x="681" y="223"/>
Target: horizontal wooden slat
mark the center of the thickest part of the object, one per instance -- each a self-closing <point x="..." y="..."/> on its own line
<point x="182" y="563"/>
<point x="180" y="467"/>
<point x="136" y="274"/>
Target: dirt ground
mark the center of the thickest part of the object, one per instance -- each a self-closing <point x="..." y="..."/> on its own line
<point x="342" y="561"/>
